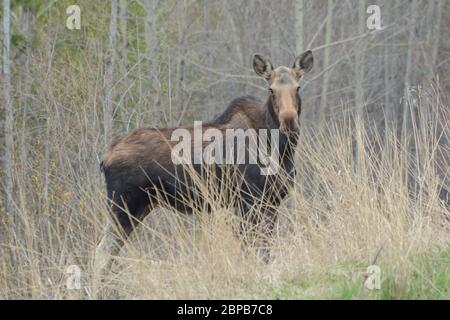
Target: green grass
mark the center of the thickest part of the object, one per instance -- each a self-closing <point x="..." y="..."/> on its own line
<point x="426" y="276"/>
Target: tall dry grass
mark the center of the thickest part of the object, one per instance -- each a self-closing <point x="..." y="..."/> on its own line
<point x="338" y="220"/>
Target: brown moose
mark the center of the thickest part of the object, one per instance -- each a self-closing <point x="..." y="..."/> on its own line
<point x="140" y="174"/>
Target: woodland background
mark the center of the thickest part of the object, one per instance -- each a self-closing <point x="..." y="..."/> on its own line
<point x="372" y="95"/>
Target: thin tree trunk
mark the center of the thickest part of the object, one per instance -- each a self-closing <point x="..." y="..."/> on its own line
<point x="181" y="56"/>
<point x="360" y="60"/>
<point x="210" y="99"/>
<point x="408" y="71"/>
<point x="359" y="94"/>
<point x="406" y="118"/>
<point x="123" y="58"/>
<point x="299" y="32"/>
<point x="326" y="63"/>
<point x="440" y="8"/>
<point x="25" y="101"/>
<point x="9" y="118"/>
<point x="237" y="40"/>
<point x="109" y="74"/>
<point x="429" y="37"/>
<point x="388" y="107"/>
<point x="153" y="45"/>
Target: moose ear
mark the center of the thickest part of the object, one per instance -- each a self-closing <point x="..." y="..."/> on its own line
<point x="262" y="66"/>
<point x="303" y="63"/>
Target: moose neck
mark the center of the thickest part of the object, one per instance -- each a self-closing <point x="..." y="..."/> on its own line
<point x="287" y="142"/>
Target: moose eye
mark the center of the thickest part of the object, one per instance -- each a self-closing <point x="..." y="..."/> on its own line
<point x="298" y="88"/>
<point x="271" y="90"/>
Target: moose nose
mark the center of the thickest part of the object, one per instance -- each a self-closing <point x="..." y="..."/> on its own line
<point x="289" y="122"/>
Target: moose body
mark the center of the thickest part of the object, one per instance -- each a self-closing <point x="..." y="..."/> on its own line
<point x="140" y="172"/>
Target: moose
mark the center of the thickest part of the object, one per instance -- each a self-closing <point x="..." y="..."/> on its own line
<point x="140" y="174"/>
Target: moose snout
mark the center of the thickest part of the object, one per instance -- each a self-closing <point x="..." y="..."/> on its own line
<point x="289" y="122"/>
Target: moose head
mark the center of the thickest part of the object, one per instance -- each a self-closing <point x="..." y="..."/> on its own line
<point x="284" y="85"/>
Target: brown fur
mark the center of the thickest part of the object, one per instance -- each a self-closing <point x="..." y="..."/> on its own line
<point x="138" y="168"/>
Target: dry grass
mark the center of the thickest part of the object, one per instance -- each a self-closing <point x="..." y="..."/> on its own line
<point x="348" y="210"/>
<point x="336" y="222"/>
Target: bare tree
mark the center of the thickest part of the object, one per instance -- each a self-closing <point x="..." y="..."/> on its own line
<point x="388" y="112"/>
<point x="326" y="61"/>
<point x="123" y="7"/>
<point x="359" y="78"/>
<point x="108" y="110"/>
<point x="9" y="119"/>
<point x="152" y="43"/>
<point x="409" y="66"/>
<point x="440" y="8"/>
<point x="299" y="32"/>
<point x="359" y="66"/>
